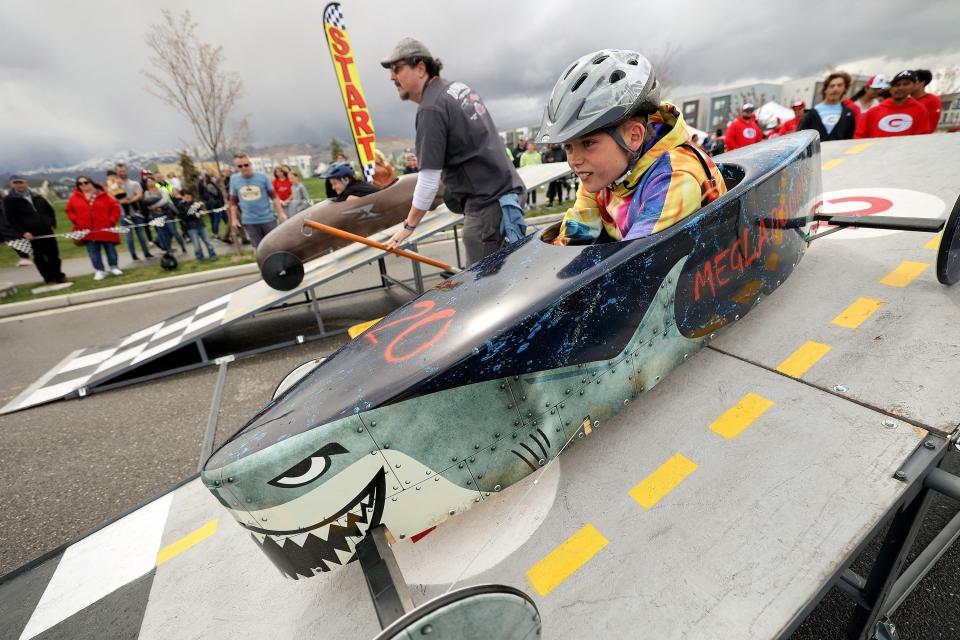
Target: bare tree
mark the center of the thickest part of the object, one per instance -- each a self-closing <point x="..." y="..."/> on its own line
<point x="663" y="65"/>
<point x="189" y="76"/>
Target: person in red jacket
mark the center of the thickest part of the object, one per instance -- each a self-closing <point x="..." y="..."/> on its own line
<point x="898" y="115"/>
<point x="930" y="100"/>
<point x="744" y="130"/>
<point x="92" y="209"/>
<point x="799" y="108"/>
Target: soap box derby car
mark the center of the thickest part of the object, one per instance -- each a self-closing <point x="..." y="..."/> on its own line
<point x="283" y="252"/>
<point x="482" y="380"/>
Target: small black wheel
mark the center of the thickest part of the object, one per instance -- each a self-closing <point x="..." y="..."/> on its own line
<point x="948" y="257"/>
<point x="282" y="270"/>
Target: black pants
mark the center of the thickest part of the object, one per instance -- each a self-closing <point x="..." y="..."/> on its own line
<point x="555" y="190"/>
<point x="46" y="255"/>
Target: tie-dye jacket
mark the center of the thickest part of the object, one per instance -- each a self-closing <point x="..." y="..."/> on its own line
<point x="666" y="185"/>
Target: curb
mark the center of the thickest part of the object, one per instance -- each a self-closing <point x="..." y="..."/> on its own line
<point x="123" y="290"/>
<point x="161" y="284"/>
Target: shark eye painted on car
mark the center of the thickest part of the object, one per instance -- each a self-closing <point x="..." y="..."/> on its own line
<point x="308" y="469"/>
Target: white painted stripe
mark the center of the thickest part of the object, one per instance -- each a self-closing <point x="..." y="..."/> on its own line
<point x="127" y="355"/>
<point x="143" y="333"/>
<point x="172" y="328"/>
<point x="54" y="392"/>
<point x="88" y="360"/>
<point x="216" y="302"/>
<point x="152" y="351"/>
<point x="100" y="564"/>
<point x="204" y="322"/>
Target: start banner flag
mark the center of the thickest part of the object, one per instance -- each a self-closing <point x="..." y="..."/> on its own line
<point x="341" y="52"/>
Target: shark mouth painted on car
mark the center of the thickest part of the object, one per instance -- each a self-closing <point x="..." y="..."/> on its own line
<point x="331" y="542"/>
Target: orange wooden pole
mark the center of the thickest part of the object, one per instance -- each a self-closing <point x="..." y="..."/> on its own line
<point x="373" y="243"/>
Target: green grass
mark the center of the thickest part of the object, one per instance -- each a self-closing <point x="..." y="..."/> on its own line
<point x="131" y="276"/>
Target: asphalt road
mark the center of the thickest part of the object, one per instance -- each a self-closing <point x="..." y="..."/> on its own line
<point x="68" y="466"/>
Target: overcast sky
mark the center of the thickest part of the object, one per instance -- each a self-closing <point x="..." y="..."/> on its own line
<point x="71" y="84"/>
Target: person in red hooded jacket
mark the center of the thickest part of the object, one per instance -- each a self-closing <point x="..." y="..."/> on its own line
<point x="898" y="115"/>
<point x="744" y="130"/>
<point x="799" y="109"/>
<point x="930" y="100"/>
<point x="92" y="209"/>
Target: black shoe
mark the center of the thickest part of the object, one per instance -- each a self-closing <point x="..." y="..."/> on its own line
<point x="148" y="255"/>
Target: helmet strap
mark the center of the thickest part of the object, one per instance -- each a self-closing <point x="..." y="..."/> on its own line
<point x="632" y="155"/>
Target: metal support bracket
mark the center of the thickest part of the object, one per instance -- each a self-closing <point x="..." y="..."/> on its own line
<point x="388" y="590"/>
<point x="918" y="462"/>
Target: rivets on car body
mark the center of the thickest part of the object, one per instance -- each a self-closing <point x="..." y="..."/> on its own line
<point x="373" y="423"/>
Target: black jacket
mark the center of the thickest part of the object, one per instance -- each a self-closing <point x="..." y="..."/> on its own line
<point x="37" y="218"/>
<point x="843" y="130"/>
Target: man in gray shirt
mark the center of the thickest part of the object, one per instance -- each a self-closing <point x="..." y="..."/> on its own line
<point x="456" y="138"/>
<point x="132" y="217"/>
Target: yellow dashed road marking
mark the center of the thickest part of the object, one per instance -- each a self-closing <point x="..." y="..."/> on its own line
<point x="174" y="549"/>
<point x="934" y="242"/>
<point x="740" y="416"/>
<point x="858" y="148"/>
<point x="906" y="273"/>
<point x="562" y="562"/>
<point x="655" y="486"/>
<point x="854" y="315"/>
<point x="803" y="358"/>
<point x="830" y="164"/>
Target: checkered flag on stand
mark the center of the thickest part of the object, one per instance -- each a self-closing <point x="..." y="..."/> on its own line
<point x="21" y="245"/>
<point x="334" y="16"/>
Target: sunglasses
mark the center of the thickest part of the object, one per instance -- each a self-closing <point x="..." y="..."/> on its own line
<point x="243" y="166"/>
<point x="83" y="182"/>
<point x="396" y="66"/>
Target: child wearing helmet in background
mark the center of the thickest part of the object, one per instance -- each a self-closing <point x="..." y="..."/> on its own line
<point x="343" y="181"/>
<point x="638" y="173"/>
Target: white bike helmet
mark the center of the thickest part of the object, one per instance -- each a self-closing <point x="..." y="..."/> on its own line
<point x="598" y="92"/>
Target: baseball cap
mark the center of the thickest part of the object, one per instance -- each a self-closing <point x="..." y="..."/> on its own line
<point x="906" y="74"/>
<point x="878" y="81"/>
<point x="747" y="107"/>
<point x="798" y="104"/>
<point x="407" y="48"/>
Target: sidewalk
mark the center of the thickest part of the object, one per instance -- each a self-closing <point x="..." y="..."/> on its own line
<point x="81" y="266"/>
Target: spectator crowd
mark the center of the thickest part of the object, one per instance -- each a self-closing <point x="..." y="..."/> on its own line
<point x="162" y="213"/>
<point x="898" y="107"/>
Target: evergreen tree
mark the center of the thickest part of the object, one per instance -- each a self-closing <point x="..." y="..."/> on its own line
<point x="191" y="176"/>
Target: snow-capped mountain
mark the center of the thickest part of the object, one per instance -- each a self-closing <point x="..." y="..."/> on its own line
<point x="99" y="164"/>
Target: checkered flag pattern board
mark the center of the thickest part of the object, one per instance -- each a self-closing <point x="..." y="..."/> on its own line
<point x="97" y="363"/>
<point x="334" y="16"/>
<point x="368" y="171"/>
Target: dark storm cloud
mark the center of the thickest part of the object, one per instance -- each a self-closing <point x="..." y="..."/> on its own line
<point x="70" y="81"/>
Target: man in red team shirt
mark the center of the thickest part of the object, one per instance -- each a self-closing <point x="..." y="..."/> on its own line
<point x="898" y="115"/>
<point x="799" y="108"/>
<point x="744" y="130"/>
<point x="929" y="100"/>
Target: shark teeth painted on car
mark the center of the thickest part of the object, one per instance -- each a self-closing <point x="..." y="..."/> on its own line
<point x="333" y="541"/>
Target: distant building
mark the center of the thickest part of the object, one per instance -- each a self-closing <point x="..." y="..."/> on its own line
<point x="265" y="164"/>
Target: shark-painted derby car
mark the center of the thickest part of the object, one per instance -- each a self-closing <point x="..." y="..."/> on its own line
<point x="485" y="378"/>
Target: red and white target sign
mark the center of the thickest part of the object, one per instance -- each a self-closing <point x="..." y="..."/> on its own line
<point x="898" y="203"/>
